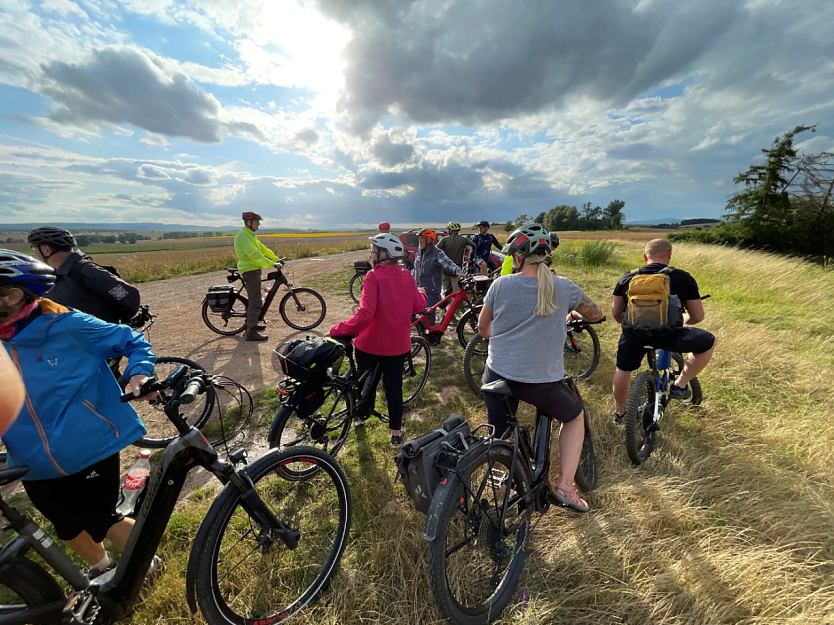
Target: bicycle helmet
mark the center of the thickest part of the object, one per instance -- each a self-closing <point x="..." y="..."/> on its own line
<point x="251" y="215"/>
<point x="429" y="234"/>
<point x="482" y="223"/>
<point x="384" y="226"/>
<point x="24" y="272"/>
<point x="57" y="238"/>
<point x="554" y="240"/>
<point x="528" y="240"/>
<point x="391" y="244"/>
<point x="453" y="225"/>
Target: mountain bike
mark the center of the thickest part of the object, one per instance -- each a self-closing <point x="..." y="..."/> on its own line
<point x="362" y="268"/>
<point x="467" y="298"/>
<point x="478" y="523"/>
<point x="301" y="308"/>
<point x="341" y="398"/>
<point x="266" y="549"/>
<point x="649" y="398"/>
<point x="581" y="354"/>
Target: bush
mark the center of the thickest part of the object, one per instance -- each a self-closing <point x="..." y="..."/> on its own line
<point x="597" y="253"/>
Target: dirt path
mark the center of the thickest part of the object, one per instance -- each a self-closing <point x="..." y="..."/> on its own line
<point x="180" y="331"/>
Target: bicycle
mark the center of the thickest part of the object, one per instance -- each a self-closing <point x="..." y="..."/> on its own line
<point x="257" y="513"/>
<point x="649" y="398"/>
<point x="581" y="354"/>
<point x="342" y="397"/>
<point x="362" y="268"/>
<point x="479" y="517"/>
<point x="301" y="308"/>
<point x="469" y="296"/>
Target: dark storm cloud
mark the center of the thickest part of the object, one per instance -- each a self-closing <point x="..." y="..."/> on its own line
<point x="390" y="154"/>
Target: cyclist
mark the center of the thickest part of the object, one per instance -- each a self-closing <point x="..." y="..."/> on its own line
<point x="72" y="426"/>
<point x="698" y="343"/>
<point x="524" y="319"/>
<point x="429" y="265"/>
<point x="81" y="283"/>
<point x="454" y="246"/>
<point x="382" y="323"/>
<point x="252" y="256"/>
<point x="508" y="267"/>
<point x="484" y="241"/>
<point x="385" y="228"/>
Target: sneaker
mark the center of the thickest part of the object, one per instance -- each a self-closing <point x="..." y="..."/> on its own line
<point x="261" y="325"/>
<point x="97" y="572"/>
<point x="397" y="441"/>
<point x="257" y="337"/>
<point x="617" y="417"/>
<point x="358" y="422"/>
<point x="676" y="392"/>
<point x="156" y="569"/>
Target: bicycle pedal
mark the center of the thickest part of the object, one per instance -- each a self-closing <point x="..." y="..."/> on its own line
<point x="82" y="609"/>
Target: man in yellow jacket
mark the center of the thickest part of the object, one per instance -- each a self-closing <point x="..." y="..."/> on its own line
<point x="252" y="256"/>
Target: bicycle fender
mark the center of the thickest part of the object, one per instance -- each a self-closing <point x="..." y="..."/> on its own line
<point x="290" y="404"/>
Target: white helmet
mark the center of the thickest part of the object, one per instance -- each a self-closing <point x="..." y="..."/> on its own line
<point x="390" y="244"/>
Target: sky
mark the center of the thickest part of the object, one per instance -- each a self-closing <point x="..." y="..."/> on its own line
<point x="337" y="113"/>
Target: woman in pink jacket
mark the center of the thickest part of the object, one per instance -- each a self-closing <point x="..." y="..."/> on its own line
<point x="382" y="323"/>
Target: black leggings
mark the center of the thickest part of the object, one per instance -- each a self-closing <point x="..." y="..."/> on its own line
<point x="392" y="380"/>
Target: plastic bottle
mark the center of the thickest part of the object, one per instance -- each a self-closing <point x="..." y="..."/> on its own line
<point x="135" y="481"/>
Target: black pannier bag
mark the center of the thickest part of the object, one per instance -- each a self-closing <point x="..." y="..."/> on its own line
<point x="221" y="298"/>
<point x="418" y="463"/>
<point x="362" y="265"/>
<point x="308" y="360"/>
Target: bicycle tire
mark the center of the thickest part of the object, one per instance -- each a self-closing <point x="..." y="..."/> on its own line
<point x="639" y="416"/>
<point x="310" y="433"/>
<point x="569" y="347"/>
<point x="31" y="583"/>
<point x="472" y="370"/>
<point x="209" y="593"/>
<point x="190" y="413"/>
<point x="586" y="472"/>
<point x="411" y="369"/>
<point x="694" y="384"/>
<point x="356" y="292"/>
<point x="468" y="327"/>
<point x="289" y="297"/>
<point x="207" y="315"/>
<point x="419" y="329"/>
<point x="450" y="606"/>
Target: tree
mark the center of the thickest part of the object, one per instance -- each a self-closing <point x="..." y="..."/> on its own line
<point x="540" y="218"/>
<point x="83" y="240"/>
<point x="613" y="215"/>
<point x="509" y="226"/>
<point x="522" y="220"/>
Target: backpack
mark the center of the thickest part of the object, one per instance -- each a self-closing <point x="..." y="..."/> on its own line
<point x="308" y="360"/>
<point x="651" y="309"/>
<point x="75" y="271"/>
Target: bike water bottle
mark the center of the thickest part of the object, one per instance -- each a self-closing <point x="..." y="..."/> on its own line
<point x="135" y="481"/>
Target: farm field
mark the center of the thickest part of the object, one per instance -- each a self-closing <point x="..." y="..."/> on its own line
<point x="729" y="522"/>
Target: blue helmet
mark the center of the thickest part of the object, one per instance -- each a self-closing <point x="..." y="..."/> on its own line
<point x="24" y="272"/>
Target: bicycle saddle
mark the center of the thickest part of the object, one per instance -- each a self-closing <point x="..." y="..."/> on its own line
<point x="231" y="269"/>
<point x="499" y="387"/>
<point x="7" y="476"/>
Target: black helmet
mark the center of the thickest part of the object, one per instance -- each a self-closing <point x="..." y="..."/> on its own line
<point x="57" y="238"/>
<point x="554" y="240"/>
<point x="483" y="222"/>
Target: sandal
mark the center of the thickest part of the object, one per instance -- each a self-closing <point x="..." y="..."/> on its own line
<point x="569" y="499"/>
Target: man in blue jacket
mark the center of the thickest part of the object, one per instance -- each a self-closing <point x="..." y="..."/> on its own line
<point x="72" y="425"/>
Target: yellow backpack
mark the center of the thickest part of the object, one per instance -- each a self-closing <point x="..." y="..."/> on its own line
<point x="651" y="309"/>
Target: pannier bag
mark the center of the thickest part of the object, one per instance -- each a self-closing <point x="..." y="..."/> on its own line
<point x="308" y="360"/>
<point x="362" y="265"/>
<point x="651" y="310"/>
<point x="482" y="283"/>
<point x="221" y="298"/>
<point x="417" y="464"/>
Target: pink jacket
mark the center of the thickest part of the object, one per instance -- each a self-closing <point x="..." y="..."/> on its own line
<point x="382" y="324"/>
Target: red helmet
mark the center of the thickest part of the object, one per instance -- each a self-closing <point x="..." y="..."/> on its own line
<point x="251" y="215"/>
<point x="429" y="234"/>
<point x="384" y="226"/>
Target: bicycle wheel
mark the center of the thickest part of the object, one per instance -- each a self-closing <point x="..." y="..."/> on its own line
<point x="468" y="327"/>
<point x="247" y="576"/>
<point x="327" y="429"/>
<point x="694" y="384"/>
<point x="25" y="585"/>
<point x="160" y="429"/>
<point x="586" y="472"/>
<point x="416" y="369"/>
<point x="474" y="363"/>
<point x="581" y="352"/>
<point x="227" y="323"/>
<point x="302" y="308"/>
<point x="355" y="286"/>
<point x="639" y="418"/>
<point x="475" y="560"/>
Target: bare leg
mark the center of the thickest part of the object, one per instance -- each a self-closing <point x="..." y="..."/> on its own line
<point x="694" y="364"/>
<point x="621" y="385"/>
<point x="120" y="532"/>
<point x="87" y="548"/>
<point x="571" y="438"/>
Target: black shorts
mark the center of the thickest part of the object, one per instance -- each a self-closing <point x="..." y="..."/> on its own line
<point x="555" y="399"/>
<point x="632" y="347"/>
<point x="83" y="501"/>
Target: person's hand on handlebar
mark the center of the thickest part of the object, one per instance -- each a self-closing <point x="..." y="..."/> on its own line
<point x="136" y="382"/>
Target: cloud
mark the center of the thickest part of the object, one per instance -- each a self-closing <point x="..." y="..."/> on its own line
<point x="154" y="140"/>
<point x="390" y="154"/>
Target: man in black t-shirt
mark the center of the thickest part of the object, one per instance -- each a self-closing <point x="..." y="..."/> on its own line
<point x="699" y="344"/>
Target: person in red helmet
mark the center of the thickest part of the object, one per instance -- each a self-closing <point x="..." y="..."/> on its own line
<point x="252" y="256"/>
<point x="385" y="227"/>
<point x="429" y="264"/>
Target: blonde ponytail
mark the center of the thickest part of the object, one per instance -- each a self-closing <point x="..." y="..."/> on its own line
<point x="546" y="296"/>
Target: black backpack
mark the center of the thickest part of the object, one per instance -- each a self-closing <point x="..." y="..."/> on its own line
<point x="75" y="270"/>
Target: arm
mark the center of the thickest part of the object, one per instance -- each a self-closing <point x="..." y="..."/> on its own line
<point x="485" y="322"/>
<point x="618" y="308"/>
<point x="694" y="312"/>
<point x="588" y="310"/>
<point x="107" y="340"/>
<point x="364" y="314"/>
<point x="496" y="243"/>
<point x="469" y="243"/>
<point x="108" y="288"/>
<point x="249" y="249"/>
<point x="447" y="263"/>
<point x="419" y="300"/>
<point x="268" y="253"/>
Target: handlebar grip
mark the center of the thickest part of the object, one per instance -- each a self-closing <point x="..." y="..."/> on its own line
<point x="152" y="384"/>
<point x="194" y="387"/>
<point x="127" y="397"/>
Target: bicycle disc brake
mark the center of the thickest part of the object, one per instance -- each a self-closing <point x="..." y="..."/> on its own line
<point x="81" y="609"/>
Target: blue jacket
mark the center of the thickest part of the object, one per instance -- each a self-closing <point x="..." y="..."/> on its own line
<point x="72" y="416"/>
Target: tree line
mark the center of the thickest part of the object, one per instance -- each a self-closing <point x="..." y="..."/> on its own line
<point x="128" y="238"/>
<point x="564" y="217"/>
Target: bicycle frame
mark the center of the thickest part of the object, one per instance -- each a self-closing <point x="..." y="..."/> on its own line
<point x="660" y="362"/>
<point x="455" y="298"/>
<point x="279" y="280"/>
